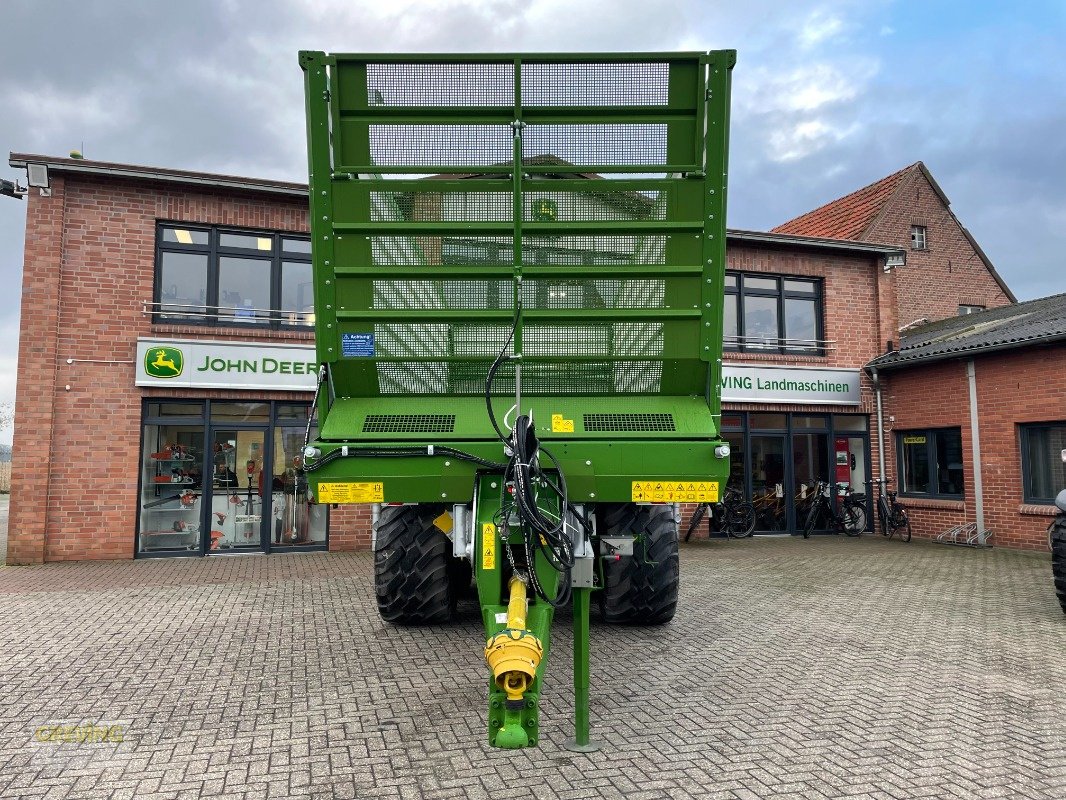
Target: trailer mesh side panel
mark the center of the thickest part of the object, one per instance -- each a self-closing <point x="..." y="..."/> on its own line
<point x="611" y="227"/>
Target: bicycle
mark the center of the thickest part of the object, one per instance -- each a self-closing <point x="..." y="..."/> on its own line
<point x="850" y="519"/>
<point x="892" y="516"/>
<point x="736" y="514"/>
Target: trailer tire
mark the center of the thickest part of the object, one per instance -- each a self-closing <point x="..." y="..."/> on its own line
<point x="1058" y="559"/>
<point x="413" y="569"/>
<point x="640" y="589"/>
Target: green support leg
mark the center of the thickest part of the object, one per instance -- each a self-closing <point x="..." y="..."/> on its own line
<point x="508" y="728"/>
<point x="581" y="742"/>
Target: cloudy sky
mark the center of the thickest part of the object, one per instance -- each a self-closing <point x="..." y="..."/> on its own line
<point x="827" y="96"/>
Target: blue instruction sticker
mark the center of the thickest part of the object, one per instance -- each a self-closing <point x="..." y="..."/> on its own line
<point x="357" y="344"/>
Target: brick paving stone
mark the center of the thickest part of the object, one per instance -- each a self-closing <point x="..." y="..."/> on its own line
<point x="827" y="668"/>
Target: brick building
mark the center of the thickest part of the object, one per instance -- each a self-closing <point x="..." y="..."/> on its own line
<point x="166" y="362"/>
<point x="910" y="210"/>
<point x="976" y="421"/>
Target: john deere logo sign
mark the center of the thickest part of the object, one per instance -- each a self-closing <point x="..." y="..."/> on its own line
<point x="164" y="362"/>
<point x="545" y="211"/>
<point x="214" y="364"/>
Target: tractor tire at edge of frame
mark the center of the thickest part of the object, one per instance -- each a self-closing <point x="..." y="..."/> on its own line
<point x="413" y="569"/>
<point x="1057" y="540"/>
<point x="640" y="589"/>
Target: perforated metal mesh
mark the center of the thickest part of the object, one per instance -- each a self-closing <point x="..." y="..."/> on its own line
<point x="537" y="293"/>
<point x="634" y="144"/>
<point x="468" y="378"/>
<point x="433" y="146"/>
<point x="409" y="423"/>
<point x="441" y="84"/>
<point x="596" y="204"/>
<point x="621" y="340"/>
<point x="628" y="422"/>
<point x="625" y="84"/>
<point x="450" y="350"/>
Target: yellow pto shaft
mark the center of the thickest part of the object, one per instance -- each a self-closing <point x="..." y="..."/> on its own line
<point x="513" y="655"/>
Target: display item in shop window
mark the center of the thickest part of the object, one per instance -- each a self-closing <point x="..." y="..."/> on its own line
<point x="173" y="452"/>
<point x="225" y="477"/>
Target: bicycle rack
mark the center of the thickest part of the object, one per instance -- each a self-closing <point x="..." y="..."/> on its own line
<point x="965" y="535"/>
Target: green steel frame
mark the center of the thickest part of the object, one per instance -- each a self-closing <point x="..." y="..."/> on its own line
<point x="565" y="209"/>
<point x="643" y="251"/>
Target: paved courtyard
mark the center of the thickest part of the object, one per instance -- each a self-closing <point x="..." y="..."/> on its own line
<point x="823" y="668"/>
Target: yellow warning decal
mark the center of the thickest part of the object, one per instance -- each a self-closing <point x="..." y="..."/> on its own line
<point x="560" y="425"/>
<point x="488" y="546"/>
<point x="675" y="491"/>
<point x="351" y="492"/>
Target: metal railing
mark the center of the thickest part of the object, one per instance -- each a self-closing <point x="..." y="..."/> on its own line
<point x="778" y="343"/>
<point x="164" y="311"/>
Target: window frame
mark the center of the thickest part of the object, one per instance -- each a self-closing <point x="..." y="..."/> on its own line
<point x="965" y="309"/>
<point x="1024" y="431"/>
<point x="932" y="484"/>
<point x="922" y="232"/>
<point x="781" y="295"/>
<point x="215" y="251"/>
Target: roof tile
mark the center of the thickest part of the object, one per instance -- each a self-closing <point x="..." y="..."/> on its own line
<point x="849" y="216"/>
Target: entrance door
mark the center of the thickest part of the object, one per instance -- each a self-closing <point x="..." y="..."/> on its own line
<point x="851" y="467"/>
<point x="768" y="482"/>
<point x="810" y="459"/>
<point x="240" y="509"/>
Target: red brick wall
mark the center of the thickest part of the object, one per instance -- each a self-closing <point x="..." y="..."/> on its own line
<point x="89" y="264"/>
<point x="950" y="273"/>
<point x="1014" y="387"/>
<point x="853" y="323"/>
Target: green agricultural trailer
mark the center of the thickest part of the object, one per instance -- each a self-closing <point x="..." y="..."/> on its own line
<point x="518" y="276"/>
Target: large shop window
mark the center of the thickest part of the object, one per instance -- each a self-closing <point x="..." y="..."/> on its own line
<point x="771" y="313"/>
<point x="219" y="276"/>
<point x="1043" y="470"/>
<point x="218" y="477"/>
<point x="930" y="462"/>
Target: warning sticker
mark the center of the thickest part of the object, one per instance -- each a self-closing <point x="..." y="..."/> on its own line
<point x="560" y="425"/>
<point x="675" y="491"/>
<point x="488" y="546"/>
<point x="351" y="492"/>
<point x="357" y="345"/>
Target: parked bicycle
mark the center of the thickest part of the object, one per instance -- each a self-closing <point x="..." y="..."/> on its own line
<point x="891" y="515"/>
<point x="736" y="515"/>
<point x="848" y="516"/>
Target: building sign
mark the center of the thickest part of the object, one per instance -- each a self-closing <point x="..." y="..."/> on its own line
<point x="204" y="364"/>
<point x="800" y="385"/>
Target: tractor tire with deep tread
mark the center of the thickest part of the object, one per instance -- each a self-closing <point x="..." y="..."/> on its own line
<point x="413" y="569"/>
<point x="640" y="589"/>
<point x="1057" y="535"/>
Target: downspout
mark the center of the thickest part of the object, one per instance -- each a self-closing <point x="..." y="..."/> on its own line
<point x="975" y="442"/>
<point x="880" y="424"/>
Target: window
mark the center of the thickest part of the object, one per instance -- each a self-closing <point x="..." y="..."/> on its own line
<point x="217" y="476"/>
<point x="214" y="276"/>
<point x="969" y="309"/>
<point x="918" y="237"/>
<point x="1043" y="470"/>
<point x="930" y="462"/>
<point x="772" y="313"/>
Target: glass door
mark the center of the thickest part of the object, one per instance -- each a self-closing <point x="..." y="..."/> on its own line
<point x="296" y="522"/>
<point x="810" y="464"/>
<point x="240" y="509"/>
<point x="768" y="482"/>
<point x="853" y="468"/>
